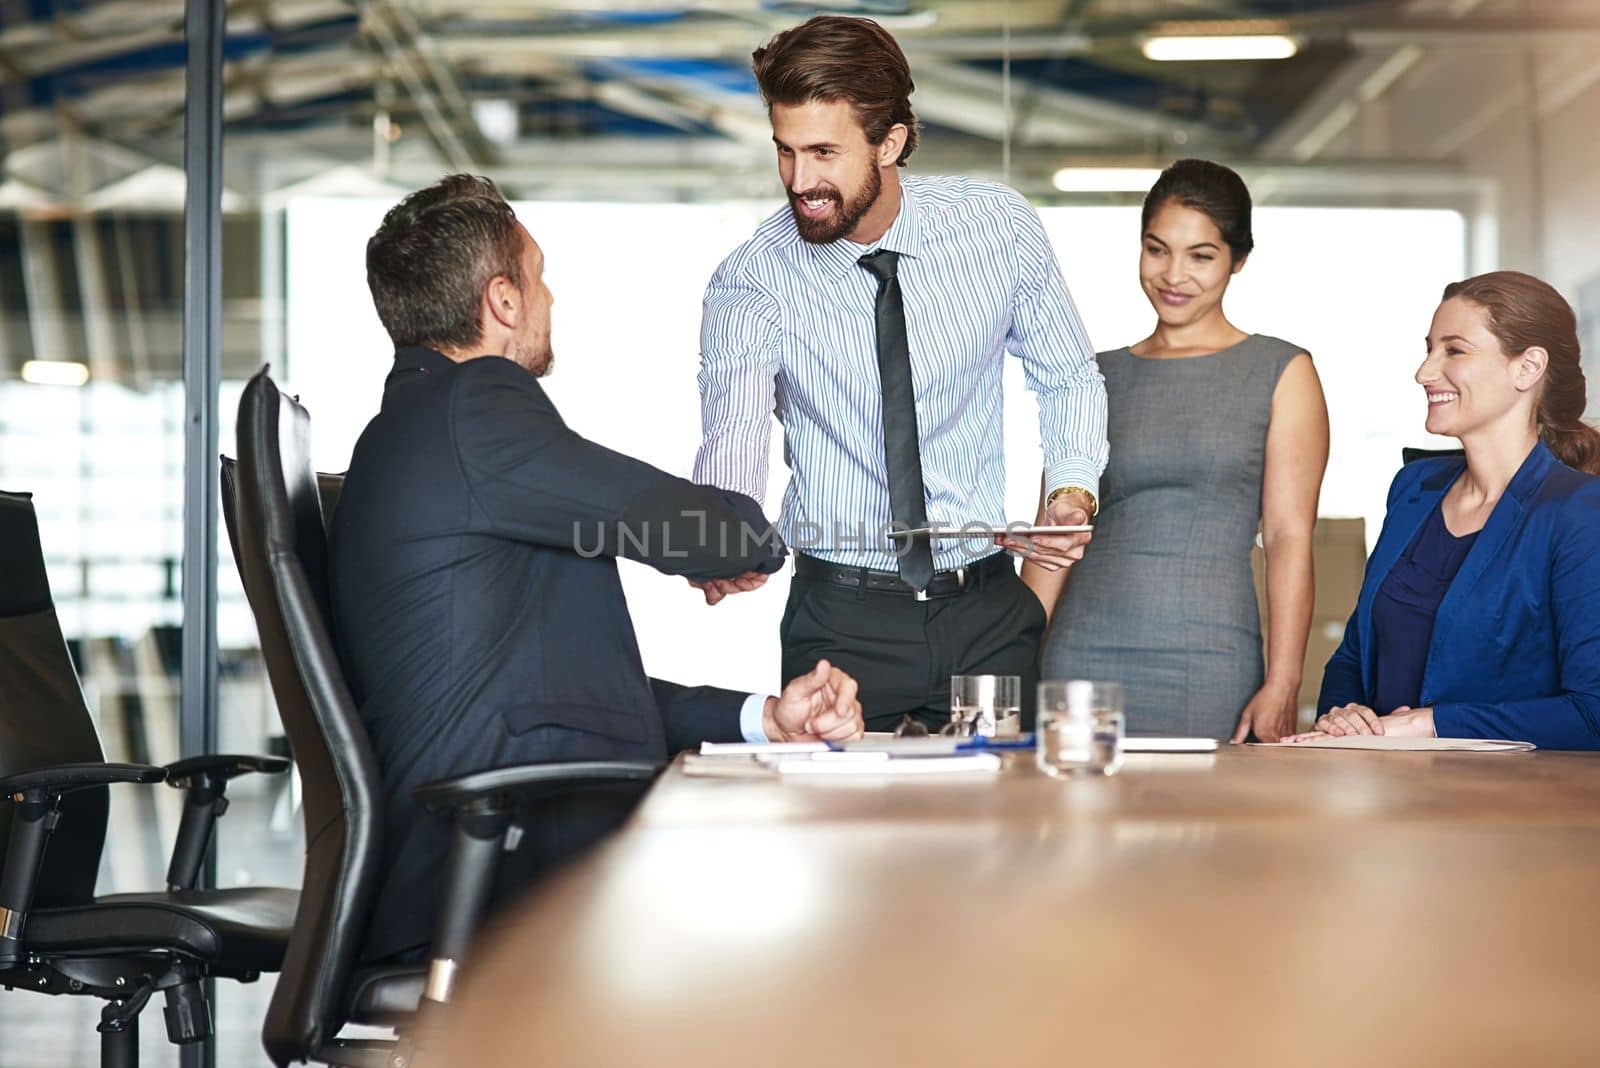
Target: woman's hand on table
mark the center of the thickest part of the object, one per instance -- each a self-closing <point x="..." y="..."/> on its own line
<point x="1354" y="719"/>
<point x="1271" y="713"/>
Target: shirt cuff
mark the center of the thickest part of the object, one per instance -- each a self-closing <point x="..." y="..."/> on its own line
<point x="1072" y="472"/>
<point x="750" y="719"/>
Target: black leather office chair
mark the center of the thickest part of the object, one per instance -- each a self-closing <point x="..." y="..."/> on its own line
<point x="329" y="486"/>
<point x="56" y="936"/>
<point x="274" y="508"/>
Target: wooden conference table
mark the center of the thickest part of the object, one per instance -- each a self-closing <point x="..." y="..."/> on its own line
<point x="1252" y="907"/>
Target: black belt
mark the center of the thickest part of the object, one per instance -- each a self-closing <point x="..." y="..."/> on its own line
<point x="944" y="583"/>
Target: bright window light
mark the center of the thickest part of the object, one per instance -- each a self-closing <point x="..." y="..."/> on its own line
<point x="1203" y="48"/>
<point x="1105" y="179"/>
<point x="55" y="373"/>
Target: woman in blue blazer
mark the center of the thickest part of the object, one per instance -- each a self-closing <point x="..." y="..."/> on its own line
<point x="1479" y="616"/>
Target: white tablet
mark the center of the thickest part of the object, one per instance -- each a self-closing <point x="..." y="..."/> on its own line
<point x="976" y="532"/>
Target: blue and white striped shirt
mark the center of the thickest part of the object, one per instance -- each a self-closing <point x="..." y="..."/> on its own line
<point x="789" y="328"/>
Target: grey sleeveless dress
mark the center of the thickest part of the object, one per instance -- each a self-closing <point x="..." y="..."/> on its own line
<point x="1162" y="600"/>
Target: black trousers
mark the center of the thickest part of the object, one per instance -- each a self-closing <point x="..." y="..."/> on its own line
<point x="903" y="651"/>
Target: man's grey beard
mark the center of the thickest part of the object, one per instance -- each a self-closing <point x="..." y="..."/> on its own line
<point x="540" y="368"/>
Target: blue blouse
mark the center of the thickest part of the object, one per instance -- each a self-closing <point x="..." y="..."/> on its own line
<point x="1405" y="607"/>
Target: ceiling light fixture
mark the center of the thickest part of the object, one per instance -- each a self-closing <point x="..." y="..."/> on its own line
<point x="908" y="20"/>
<point x="55" y="373"/>
<point x="1200" y="48"/>
<point x="1105" y="179"/>
<point x="497" y="120"/>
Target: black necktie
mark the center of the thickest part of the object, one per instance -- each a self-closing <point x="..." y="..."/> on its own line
<point x="907" y="504"/>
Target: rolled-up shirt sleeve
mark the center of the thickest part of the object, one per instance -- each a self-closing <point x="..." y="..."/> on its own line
<point x="1058" y="359"/>
<point x="739" y="359"/>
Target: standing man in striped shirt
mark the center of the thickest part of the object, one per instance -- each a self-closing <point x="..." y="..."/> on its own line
<point x="872" y="315"/>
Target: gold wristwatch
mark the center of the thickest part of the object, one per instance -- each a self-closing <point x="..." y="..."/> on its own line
<point x="1094" y="502"/>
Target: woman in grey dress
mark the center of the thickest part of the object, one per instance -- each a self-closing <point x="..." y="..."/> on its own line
<point x="1214" y="433"/>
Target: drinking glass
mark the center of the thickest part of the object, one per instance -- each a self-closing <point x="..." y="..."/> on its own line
<point x="990" y="705"/>
<point x="1080" y="727"/>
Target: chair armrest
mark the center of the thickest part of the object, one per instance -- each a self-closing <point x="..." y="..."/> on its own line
<point x="482" y="813"/>
<point x="61" y="779"/>
<point x="34" y="796"/>
<point x="533" y="781"/>
<point x="221" y="767"/>
<point x="205" y="782"/>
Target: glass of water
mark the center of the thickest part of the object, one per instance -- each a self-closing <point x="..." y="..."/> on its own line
<point x="1080" y="727"/>
<point x="990" y="705"/>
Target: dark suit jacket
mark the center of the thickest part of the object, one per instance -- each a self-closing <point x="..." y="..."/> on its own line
<point x="477" y="608"/>
<point x="1515" y="651"/>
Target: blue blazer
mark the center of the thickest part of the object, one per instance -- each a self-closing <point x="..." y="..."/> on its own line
<point x="1515" y="651"/>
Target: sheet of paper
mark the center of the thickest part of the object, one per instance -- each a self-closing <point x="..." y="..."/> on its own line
<point x="1163" y="744"/>
<point x="759" y="748"/>
<point x="1382" y="741"/>
<point x="921" y="746"/>
<point x="937" y="744"/>
<point x="968" y="763"/>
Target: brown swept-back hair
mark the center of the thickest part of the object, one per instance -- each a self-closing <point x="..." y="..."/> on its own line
<point x="838" y="57"/>
<point x="1211" y="189"/>
<point x="432" y="256"/>
<point x="1525" y="313"/>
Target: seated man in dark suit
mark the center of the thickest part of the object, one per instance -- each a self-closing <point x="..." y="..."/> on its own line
<point x="476" y="604"/>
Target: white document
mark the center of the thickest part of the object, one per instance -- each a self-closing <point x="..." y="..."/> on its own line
<point x="760" y="748"/>
<point x="1169" y="745"/>
<point x="1436" y="745"/>
<point x="982" y="763"/>
<point x="940" y="744"/>
<point x="919" y="746"/>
